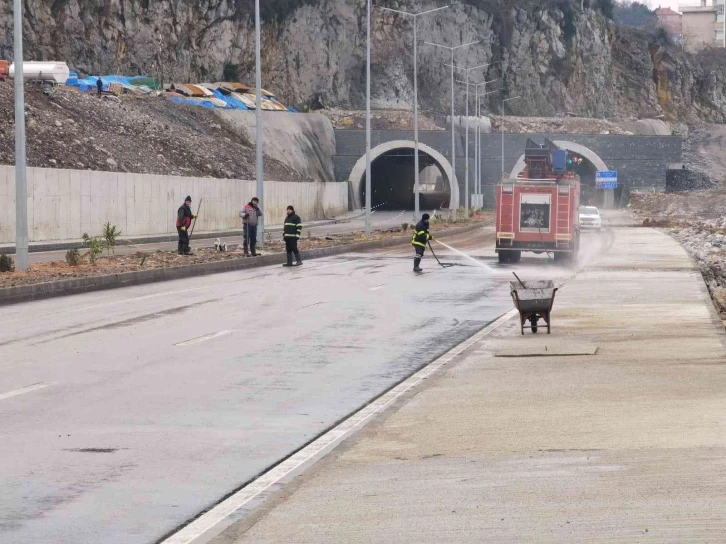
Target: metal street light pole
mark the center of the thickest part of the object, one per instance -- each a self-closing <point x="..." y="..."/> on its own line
<point x="453" y="133"/>
<point x="368" y="123"/>
<point x="21" y="190"/>
<point x="478" y="141"/>
<point x="477" y="168"/>
<point x="501" y="111"/>
<point x="416" y="186"/>
<point x="466" y="137"/>
<point x="258" y="115"/>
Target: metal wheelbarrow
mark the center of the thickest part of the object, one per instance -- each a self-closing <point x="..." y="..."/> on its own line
<point x="533" y="300"/>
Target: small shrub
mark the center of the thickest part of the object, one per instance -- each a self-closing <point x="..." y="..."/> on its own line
<point x="404" y="227"/>
<point x="95" y="248"/>
<point x="110" y="233"/>
<point x="73" y="257"/>
<point x="7" y="264"/>
<point x="230" y="72"/>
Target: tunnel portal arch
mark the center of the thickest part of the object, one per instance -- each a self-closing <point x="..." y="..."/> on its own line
<point x="580" y="149"/>
<point x="587" y="172"/>
<point x="357" y="174"/>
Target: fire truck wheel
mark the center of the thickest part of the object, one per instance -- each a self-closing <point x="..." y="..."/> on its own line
<point x="503" y="256"/>
<point x="515" y="256"/>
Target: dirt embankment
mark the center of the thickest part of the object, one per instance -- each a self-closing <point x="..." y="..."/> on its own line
<point x="698" y="221"/>
<point x="145" y="135"/>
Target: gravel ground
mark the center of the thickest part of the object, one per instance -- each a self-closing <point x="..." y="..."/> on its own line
<point x="145" y="135"/>
<point x="698" y="221"/>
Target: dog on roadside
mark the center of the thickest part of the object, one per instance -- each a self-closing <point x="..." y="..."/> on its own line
<point x="220" y="246"/>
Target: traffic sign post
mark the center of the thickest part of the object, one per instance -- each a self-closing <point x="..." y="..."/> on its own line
<point x="607" y="180"/>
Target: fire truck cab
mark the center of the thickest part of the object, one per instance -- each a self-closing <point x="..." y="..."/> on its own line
<point x="538" y="211"/>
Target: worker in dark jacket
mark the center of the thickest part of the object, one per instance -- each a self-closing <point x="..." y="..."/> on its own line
<point x="421" y="237"/>
<point x="184" y="218"/>
<point x="99" y="86"/>
<point x="291" y="234"/>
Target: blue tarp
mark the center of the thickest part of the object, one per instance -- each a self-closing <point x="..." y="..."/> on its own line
<point x="89" y="83"/>
<point x="232" y="103"/>
<point x="193" y="102"/>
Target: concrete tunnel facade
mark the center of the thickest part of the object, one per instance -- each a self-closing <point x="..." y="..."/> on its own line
<point x="356" y="179"/>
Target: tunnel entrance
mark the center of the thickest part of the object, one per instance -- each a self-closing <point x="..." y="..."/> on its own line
<point x="437" y="176"/>
<point x="585" y="163"/>
<point x="392" y="182"/>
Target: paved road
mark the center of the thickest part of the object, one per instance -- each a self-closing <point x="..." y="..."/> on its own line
<point x="379" y="220"/>
<point x="148" y="404"/>
<point x="622" y="444"/>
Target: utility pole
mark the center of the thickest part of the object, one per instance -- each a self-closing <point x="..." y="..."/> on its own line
<point x="368" y="122"/>
<point x="416" y="186"/>
<point x="21" y="189"/>
<point x="466" y="168"/>
<point x="478" y="98"/>
<point x="453" y="133"/>
<point x="501" y="111"/>
<point x="476" y="88"/>
<point x="258" y="115"/>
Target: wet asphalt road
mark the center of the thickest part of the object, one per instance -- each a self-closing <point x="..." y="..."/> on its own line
<point x="155" y="401"/>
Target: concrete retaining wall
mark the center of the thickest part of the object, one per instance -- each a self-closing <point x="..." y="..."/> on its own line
<point x="641" y="161"/>
<point x="64" y="204"/>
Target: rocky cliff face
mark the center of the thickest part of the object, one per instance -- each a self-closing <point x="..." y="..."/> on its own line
<point x="556" y="57"/>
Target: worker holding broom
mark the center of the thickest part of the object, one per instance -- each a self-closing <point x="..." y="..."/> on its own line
<point x="421" y="237"/>
<point x="184" y="218"/>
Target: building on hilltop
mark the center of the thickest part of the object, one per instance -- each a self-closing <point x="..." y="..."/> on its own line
<point x="703" y="25"/>
<point x="672" y="21"/>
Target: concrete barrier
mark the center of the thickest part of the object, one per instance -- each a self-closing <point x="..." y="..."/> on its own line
<point x="64" y="204"/>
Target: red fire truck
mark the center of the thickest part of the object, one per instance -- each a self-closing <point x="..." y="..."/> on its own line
<point x="538" y="211"/>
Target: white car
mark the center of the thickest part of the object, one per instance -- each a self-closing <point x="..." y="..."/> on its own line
<point x="590" y="218"/>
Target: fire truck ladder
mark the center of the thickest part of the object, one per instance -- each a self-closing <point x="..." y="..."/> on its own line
<point x="562" y="223"/>
<point x="507" y="218"/>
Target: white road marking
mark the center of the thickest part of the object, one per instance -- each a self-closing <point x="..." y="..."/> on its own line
<point x="203" y="338"/>
<point x="376" y="288"/>
<point x="229" y="506"/>
<point x="24" y="390"/>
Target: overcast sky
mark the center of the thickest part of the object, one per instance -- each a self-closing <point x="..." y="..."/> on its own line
<point x="673" y="4"/>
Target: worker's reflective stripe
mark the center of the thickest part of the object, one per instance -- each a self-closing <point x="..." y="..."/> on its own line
<point x="292" y="224"/>
<point x="418" y="243"/>
<point x="292" y="235"/>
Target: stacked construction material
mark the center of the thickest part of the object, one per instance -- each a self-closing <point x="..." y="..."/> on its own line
<point x="114" y="84"/>
<point x="226" y="95"/>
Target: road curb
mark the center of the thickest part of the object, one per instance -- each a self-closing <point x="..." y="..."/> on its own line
<point x="160" y="238"/>
<point x="38" y="291"/>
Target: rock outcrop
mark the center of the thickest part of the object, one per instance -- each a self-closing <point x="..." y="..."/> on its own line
<point x="555" y="56"/>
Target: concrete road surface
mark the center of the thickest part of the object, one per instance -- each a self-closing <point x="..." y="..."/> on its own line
<point x="125" y="413"/>
<point x="554" y="442"/>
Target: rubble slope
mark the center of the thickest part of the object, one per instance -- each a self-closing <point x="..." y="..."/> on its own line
<point x="146" y="135"/>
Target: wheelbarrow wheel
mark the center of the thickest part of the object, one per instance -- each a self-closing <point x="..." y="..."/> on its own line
<point x="533" y="322"/>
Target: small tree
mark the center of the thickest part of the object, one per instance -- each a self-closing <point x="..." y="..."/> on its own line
<point x="110" y="233"/>
<point x="7" y="264"/>
<point x="94" y="248"/>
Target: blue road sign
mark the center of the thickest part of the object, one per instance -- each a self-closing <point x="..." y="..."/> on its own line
<point x="606" y="180"/>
